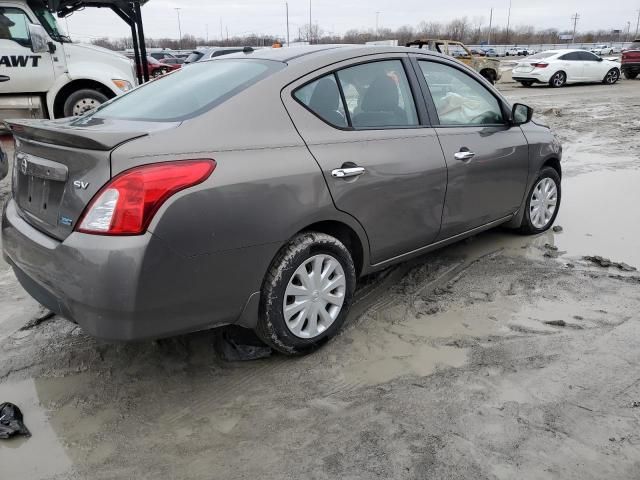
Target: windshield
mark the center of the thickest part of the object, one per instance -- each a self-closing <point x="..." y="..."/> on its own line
<point x="187" y="93"/>
<point x="48" y="21"/>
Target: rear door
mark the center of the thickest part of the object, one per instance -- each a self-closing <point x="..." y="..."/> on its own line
<point x="487" y="160"/>
<point x="573" y="65"/>
<point x="380" y="157"/>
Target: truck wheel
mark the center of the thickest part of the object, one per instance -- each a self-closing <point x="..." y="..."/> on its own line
<point x="81" y="101"/>
<point x="306" y="293"/>
<point x="630" y="75"/>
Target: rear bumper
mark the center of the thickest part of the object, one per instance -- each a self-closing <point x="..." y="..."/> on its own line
<point x="131" y="288"/>
<point x="633" y="66"/>
<point x="525" y="78"/>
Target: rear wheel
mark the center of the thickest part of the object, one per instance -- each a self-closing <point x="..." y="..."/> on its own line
<point x="611" y="77"/>
<point x="543" y="203"/>
<point x="81" y="101"/>
<point x="306" y="294"/>
<point x="558" y="79"/>
<point x="630" y="75"/>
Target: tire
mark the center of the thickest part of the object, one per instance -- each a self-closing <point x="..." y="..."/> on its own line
<point x="81" y="101"/>
<point x="157" y="73"/>
<point x="489" y="75"/>
<point x="630" y="75"/>
<point x="526" y="84"/>
<point x="558" y="79"/>
<point x="533" y="227"/>
<point x="296" y="335"/>
<point x="611" y="77"/>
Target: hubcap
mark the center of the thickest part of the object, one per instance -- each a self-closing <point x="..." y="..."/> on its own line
<point x="544" y="200"/>
<point x="314" y="296"/>
<point x="84" y="105"/>
<point x="612" y="76"/>
<point x="558" y="80"/>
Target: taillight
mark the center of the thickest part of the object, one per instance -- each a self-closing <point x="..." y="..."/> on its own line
<point x="540" y="65"/>
<point x="126" y="205"/>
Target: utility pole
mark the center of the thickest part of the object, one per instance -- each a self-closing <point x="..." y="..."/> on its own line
<point x="287" y="5"/>
<point x="221" y="34"/>
<point x="377" y="29"/>
<point x="575" y="19"/>
<point x="179" y="29"/>
<point x="637" y="26"/>
<point x="207" y="29"/>
<point x="508" y="22"/>
<point x="490" y="23"/>
<point x="310" y="39"/>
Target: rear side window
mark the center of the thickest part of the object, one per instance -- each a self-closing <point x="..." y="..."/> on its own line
<point x="571" y="56"/>
<point x="323" y="98"/>
<point x="374" y="95"/>
<point x="188" y="92"/>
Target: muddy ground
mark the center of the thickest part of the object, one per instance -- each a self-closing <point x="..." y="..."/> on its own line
<point x="500" y="357"/>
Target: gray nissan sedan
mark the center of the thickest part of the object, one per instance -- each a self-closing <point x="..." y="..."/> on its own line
<point x="256" y="188"/>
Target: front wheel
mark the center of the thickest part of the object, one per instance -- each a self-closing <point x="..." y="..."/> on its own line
<point x="558" y="80"/>
<point x="543" y="203"/>
<point x="306" y="294"/>
<point x="82" y="101"/>
<point x="611" y="77"/>
<point x="489" y="75"/>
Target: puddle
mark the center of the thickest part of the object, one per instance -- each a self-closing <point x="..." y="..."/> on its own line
<point x="600" y="215"/>
<point x="18" y="456"/>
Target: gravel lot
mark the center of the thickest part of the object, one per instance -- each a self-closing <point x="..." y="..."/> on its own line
<point x="500" y="357"/>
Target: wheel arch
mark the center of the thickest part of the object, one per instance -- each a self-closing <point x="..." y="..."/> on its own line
<point x="74" y="86"/>
<point x="554" y="163"/>
<point x="346" y="235"/>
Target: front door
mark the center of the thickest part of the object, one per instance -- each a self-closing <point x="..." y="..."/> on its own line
<point x="487" y="159"/>
<point x="381" y="160"/>
<point x="21" y="70"/>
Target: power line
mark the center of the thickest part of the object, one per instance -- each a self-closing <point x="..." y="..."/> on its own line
<point x="575" y="19"/>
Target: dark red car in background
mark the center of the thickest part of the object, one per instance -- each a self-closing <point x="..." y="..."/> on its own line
<point x="630" y="64"/>
<point x="157" y="68"/>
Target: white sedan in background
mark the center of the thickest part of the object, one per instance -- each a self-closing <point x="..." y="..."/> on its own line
<point x="559" y="67"/>
<point x="603" y="50"/>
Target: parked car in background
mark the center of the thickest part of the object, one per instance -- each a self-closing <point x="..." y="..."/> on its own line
<point x="630" y="65"/>
<point x="178" y="62"/>
<point x="489" y="68"/>
<point x="324" y="167"/>
<point x="602" y="50"/>
<point x="156" y="68"/>
<point x="161" y="55"/>
<point x="207" y="53"/>
<point x="516" y="52"/>
<point x="559" y="67"/>
<point x="479" y="52"/>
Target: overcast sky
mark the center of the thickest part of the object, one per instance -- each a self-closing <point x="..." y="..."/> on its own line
<point x="338" y="16"/>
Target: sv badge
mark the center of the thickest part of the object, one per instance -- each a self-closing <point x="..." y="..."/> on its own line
<point x="80" y="184"/>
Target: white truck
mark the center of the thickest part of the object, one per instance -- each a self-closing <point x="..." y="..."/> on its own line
<point x="44" y="75"/>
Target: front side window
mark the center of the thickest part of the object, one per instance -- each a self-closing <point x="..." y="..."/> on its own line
<point x="460" y="99"/>
<point x="187" y="92"/>
<point x="588" y="57"/>
<point x="378" y="95"/>
<point x="322" y="97"/>
<point x="14" y="25"/>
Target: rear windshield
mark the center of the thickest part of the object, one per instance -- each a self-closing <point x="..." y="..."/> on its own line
<point x="542" y="55"/>
<point x="188" y="92"/>
<point x="635" y="46"/>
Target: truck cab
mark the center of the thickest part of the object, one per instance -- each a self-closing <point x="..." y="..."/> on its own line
<point x="44" y="75"/>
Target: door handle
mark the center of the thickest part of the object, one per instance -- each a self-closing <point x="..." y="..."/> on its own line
<point x="464" y="155"/>
<point x="347" y="172"/>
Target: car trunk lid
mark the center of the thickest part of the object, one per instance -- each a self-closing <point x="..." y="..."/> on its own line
<point x="631" y="56"/>
<point x="61" y="165"/>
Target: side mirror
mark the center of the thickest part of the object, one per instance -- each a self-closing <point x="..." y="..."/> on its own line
<point x="521" y="114"/>
<point x="39" y="38"/>
<point x="600" y="59"/>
